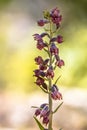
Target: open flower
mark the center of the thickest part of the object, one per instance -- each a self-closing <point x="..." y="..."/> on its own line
<point x="53" y="49"/>
<point x="50" y="72"/>
<point x="60" y="63"/>
<point x="45" y="120"/>
<point x="40" y="45"/>
<point x="55" y="94"/>
<point x="39" y="81"/>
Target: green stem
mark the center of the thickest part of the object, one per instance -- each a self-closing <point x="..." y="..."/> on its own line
<point x="50" y="107"/>
<point x="50" y="84"/>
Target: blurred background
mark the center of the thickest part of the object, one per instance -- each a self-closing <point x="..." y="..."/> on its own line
<point x="17" y="52"/>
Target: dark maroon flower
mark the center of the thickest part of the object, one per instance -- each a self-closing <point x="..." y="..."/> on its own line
<point x="60" y="63"/>
<point x="42" y="22"/>
<point x="37" y="112"/>
<point x="50" y="73"/>
<point x="38" y="60"/>
<point x="59" y="39"/>
<point x="37" y="72"/>
<point x="44" y="111"/>
<point x="39" y="81"/>
<point x="55" y="94"/>
<point x="53" y="49"/>
<point x="45" y="120"/>
<point x="42" y="67"/>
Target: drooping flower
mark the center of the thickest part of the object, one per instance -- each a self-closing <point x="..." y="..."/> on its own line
<point x="42" y="67"/>
<point x="59" y="39"/>
<point x="39" y="73"/>
<point x="39" y="81"/>
<point x="38" y="60"/>
<point x="55" y="94"/>
<point x="44" y="111"/>
<point x="45" y="120"/>
<point x="53" y="49"/>
<point x="40" y="45"/>
<point x="37" y="37"/>
<point x="56" y="17"/>
<point x="60" y="63"/>
<point x="37" y="112"/>
<point x="54" y="12"/>
<point x="50" y="72"/>
<point x="42" y="22"/>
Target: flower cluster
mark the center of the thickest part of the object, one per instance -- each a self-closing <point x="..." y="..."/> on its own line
<point x="45" y="72"/>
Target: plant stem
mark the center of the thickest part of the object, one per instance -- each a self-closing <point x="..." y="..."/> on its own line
<point x="50" y="107"/>
<point x="50" y="84"/>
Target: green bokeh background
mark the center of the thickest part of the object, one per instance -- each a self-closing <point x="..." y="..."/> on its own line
<point x="17" y="47"/>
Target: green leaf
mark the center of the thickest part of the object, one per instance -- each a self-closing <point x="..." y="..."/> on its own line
<point x="39" y="124"/>
<point x="44" y="90"/>
<point x="57" y="79"/>
<point x="58" y="108"/>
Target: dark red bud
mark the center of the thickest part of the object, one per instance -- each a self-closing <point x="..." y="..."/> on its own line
<point x="59" y="39"/>
<point x="38" y="60"/>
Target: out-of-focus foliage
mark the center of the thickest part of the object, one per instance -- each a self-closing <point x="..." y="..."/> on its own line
<point x="17" y="47"/>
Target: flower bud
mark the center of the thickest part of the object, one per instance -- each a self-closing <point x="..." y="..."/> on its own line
<point x="59" y="39"/>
